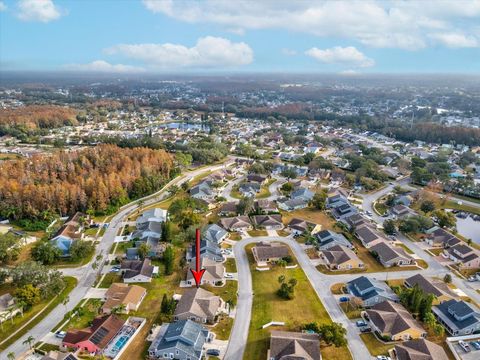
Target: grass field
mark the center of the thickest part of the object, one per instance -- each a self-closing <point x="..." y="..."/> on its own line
<point x="374" y="346"/>
<point x="230" y="265"/>
<point x="312" y="215"/>
<point x="89" y="311"/>
<point x="264" y="192"/>
<point x="255" y="233"/>
<point x="44" y="307"/>
<point x="267" y="306"/>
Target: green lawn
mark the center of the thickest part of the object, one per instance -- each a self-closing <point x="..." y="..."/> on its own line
<point x="350" y="311"/>
<point x="255" y="233"/>
<point x="264" y="192"/>
<point x="267" y="306"/>
<point x="86" y="315"/>
<point x="235" y="236"/>
<point x="9" y="327"/>
<point x="374" y="346"/>
<point x="231" y="265"/>
<point x="109" y="279"/>
<point x="223" y="327"/>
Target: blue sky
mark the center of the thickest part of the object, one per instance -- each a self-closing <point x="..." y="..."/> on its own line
<point x="219" y="35"/>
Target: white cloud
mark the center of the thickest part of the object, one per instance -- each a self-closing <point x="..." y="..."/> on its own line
<point x="3" y="7"/>
<point x="208" y="52"/>
<point x="456" y="40"/>
<point x="341" y="55"/>
<point x="38" y="10"/>
<point x="376" y="23"/>
<point x="103" y="66"/>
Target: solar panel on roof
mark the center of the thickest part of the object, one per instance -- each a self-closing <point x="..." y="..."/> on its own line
<point x="99" y="335"/>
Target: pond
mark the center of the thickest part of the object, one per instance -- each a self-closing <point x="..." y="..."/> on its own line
<point x="469" y="228"/>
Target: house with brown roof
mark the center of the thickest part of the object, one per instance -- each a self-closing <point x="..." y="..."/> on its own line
<point x="286" y="345"/>
<point x="213" y="275"/>
<point x="400" y="211"/>
<point x="237" y="223"/>
<point x="339" y="257"/>
<point x="199" y="305"/>
<point x="265" y="206"/>
<point x="393" y="321"/>
<point x="267" y="252"/>
<point x="96" y="337"/>
<point x="390" y="256"/>
<point x="299" y="226"/>
<point x="228" y="209"/>
<point x="418" y="349"/>
<point x="261" y="179"/>
<point x="138" y="271"/>
<point x="120" y="294"/>
<point x="438" y="288"/>
<point x="267" y="222"/>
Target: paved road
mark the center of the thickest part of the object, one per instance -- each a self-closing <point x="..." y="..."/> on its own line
<point x="86" y="275"/>
<point x="274" y="188"/>
<point x="239" y="334"/>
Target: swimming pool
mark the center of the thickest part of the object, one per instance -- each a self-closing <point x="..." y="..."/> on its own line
<point x="120" y="342"/>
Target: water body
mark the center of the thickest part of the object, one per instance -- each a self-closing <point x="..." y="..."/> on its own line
<point x="186" y="126"/>
<point x="469" y="228"/>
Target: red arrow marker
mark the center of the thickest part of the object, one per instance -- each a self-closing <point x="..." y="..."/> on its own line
<point x="198" y="273"/>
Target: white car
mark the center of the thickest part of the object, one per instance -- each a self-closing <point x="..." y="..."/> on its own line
<point x="228" y="276"/>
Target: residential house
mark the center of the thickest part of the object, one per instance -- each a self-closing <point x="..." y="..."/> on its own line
<point x="264" y="206"/>
<point x="299" y="226"/>
<point x="370" y="291"/>
<point x="391" y="320"/>
<point x="213" y="275"/>
<point x="96" y="337"/>
<point x="138" y="271"/>
<point x="391" y="256"/>
<point x="302" y="193"/>
<point x="458" y="317"/>
<point x="356" y="220"/>
<point x="441" y="238"/>
<point x="260" y="179"/>
<point x="266" y="252"/>
<point x="464" y="256"/>
<point x="286" y="345"/>
<point x="327" y="239"/>
<point x="208" y="249"/>
<point x="123" y="295"/>
<point x="214" y="234"/>
<point x="228" y="209"/>
<point x="71" y="230"/>
<point x="199" y="305"/>
<point x="8" y="307"/>
<point x="202" y="191"/>
<point x="292" y="204"/>
<point x="339" y="257"/>
<point x="438" y="288"/>
<point x="267" y="222"/>
<point x="58" y="355"/>
<point x="368" y="236"/>
<point x="401" y="211"/>
<point x="181" y="340"/>
<point x="419" y="349"/>
<point x="149" y="231"/>
<point x="249" y="189"/>
<point x="237" y="223"/>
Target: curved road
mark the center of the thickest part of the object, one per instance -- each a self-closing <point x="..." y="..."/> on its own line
<point x="86" y="275"/>
<point x="239" y="334"/>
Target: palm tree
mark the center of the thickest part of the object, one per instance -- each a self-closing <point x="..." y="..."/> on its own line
<point x="11" y="355"/>
<point x="119" y="309"/>
<point x="29" y="341"/>
<point x="65" y="301"/>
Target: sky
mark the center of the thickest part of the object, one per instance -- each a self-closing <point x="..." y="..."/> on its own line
<point x="175" y="36"/>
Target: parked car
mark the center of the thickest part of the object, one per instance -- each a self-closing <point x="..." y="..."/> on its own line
<point x="365" y="329"/>
<point x="344" y="299"/>
<point x="464" y="346"/>
<point x="475" y="344"/>
<point x="228" y="276"/>
<point x="383" y="357"/>
<point x="60" y="334"/>
<point x="472" y="279"/>
<point x="213" y="352"/>
<point x="361" y="323"/>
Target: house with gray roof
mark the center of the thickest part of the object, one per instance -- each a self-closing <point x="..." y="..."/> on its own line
<point x="458" y="317"/>
<point x="268" y="222"/>
<point x="292" y="204"/>
<point x="214" y="234"/>
<point x="438" y="288"/>
<point x="249" y="189"/>
<point x="368" y="236"/>
<point x="371" y="291"/>
<point x="302" y="193"/>
<point x="202" y="191"/>
<point x="327" y="239"/>
<point x="391" y="256"/>
<point x="182" y="340"/>
<point x="208" y="249"/>
<point x="149" y="231"/>
<point x="237" y="223"/>
<point x="419" y="349"/>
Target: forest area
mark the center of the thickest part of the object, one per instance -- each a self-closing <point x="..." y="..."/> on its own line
<point x="94" y="180"/>
<point x="38" y="116"/>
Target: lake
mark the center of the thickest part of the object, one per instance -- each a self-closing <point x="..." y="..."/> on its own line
<point x="469" y="228"/>
<point x="185" y="126"/>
